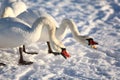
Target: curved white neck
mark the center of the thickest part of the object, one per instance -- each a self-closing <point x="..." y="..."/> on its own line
<point x="61" y="32"/>
<point x="46" y="22"/>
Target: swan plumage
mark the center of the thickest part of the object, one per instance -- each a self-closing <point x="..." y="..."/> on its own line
<point x="61" y="30"/>
<point x="12" y="8"/>
<point x="15" y="33"/>
<point x="29" y="16"/>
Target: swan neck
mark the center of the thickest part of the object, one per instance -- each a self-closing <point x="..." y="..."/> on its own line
<point x="46" y="22"/>
<point x="73" y="28"/>
<point x="36" y="30"/>
<point x="71" y="24"/>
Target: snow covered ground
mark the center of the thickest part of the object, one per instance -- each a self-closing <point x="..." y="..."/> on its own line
<point x="97" y="18"/>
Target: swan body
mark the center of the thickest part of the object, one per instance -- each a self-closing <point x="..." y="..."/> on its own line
<point x="16" y="32"/>
<point x="60" y="30"/>
<point x="29" y="16"/>
<point x="12" y="8"/>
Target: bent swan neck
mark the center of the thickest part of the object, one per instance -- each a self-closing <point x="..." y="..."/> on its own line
<point x="47" y="22"/>
<point x="68" y="23"/>
<point x="73" y="27"/>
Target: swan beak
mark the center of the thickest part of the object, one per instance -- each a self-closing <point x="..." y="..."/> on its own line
<point x="65" y="54"/>
<point x="92" y="43"/>
<point x="93" y="46"/>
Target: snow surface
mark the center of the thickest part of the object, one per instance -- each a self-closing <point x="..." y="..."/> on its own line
<point x="97" y="18"/>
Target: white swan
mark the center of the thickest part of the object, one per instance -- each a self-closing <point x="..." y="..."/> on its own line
<point x="17" y="33"/>
<point x="31" y="15"/>
<point x="12" y="8"/>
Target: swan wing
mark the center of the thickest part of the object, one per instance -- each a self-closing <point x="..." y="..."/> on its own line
<point x="18" y="7"/>
<point x="7" y="23"/>
<point x="28" y="16"/>
<point x="13" y="33"/>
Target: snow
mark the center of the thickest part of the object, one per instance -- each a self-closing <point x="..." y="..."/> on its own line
<point x="97" y="18"/>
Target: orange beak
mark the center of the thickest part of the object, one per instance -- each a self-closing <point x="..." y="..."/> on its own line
<point x="65" y="54"/>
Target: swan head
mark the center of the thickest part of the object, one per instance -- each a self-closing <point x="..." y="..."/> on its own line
<point x="87" y="41"/>
<point x="61" y="50"/>
<point x="92" y="43"/>
<point x="64" y="53"/>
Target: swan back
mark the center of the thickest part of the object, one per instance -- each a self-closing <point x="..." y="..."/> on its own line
<point x="9" y="22"/>
<point x="29" y="16"/>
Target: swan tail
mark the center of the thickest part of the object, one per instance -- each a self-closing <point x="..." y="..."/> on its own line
<point x="8" y="12"/>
